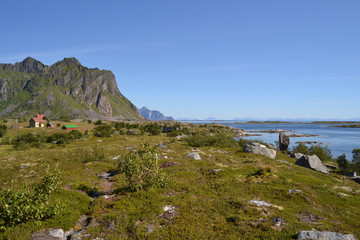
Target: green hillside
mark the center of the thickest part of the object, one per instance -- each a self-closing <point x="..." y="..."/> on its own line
<point x="209" y="198"/>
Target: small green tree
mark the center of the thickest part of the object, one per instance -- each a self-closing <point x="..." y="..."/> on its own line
<point x="104" y="130"/>
<point x="3" y="130"/>
<point x="356" y="159"/>
<point x="342" y="163"/>
<point x="89" y="121"/>
<point x="29" y="203"/>
<point x="141" y="169"/>
<point x="301" y="148"/>
<point x="323" y="153"/>
<point x="98" y="122"/>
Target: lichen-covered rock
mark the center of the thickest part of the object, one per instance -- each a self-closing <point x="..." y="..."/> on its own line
<point x="318" y="235"/>
<point x="312" y="162"/>
<point x="258" y="148"/>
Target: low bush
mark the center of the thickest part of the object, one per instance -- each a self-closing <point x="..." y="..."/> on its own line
<point x="141" y="169"/>
<point x="104" y="130"/>
<point x="301" y="148"/>
<point x="3" y="130"/>
<point x="98" y="122"/>
<point x="152" y="128"/>
<point x="24" y="141"/>
<point x="323" y="152"/>
<point x="216" y="140"/>
<point x="29" y="204"/>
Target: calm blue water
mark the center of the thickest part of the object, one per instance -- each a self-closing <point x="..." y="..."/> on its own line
<point x="339" y="140"/>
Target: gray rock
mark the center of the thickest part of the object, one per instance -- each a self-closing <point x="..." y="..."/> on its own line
<point x="258" y="148"/>
<point x="312" y="162"/>
<point x="284" y="141"/>
<point x="260" y="203"/>
<point x="216" y="170"/>
<point x="308" y="235"/>
<point x="57" y="233"/>
<point x="116" y="157"/>
<point x="297" y="155"/>
<point x="356" y="179"/>
<point x="295" y="191"/>
<point x="100" y="140"/>
<point x="194" y="155"/>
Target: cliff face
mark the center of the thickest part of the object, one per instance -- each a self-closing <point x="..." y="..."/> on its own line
<point x="65" y="88"/>
<point x="153" y="115"/>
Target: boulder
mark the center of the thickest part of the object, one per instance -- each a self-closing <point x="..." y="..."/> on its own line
<point x="308" y="235"/>
<point x="258" y="148"/>
<point x="356" y="179"/>
<point x="352" y="174"/>
<point x="312" y="162"/>
<point x="194" y="155"/>
<point x="284" y="141"/>
<point x="297" y="155"/>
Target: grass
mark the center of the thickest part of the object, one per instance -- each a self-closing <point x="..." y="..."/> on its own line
<point x="209" y="205"/>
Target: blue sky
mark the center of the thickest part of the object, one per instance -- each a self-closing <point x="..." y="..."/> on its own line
<point x="198" y="59"/>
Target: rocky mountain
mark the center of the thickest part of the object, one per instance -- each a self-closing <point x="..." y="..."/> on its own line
<point x="153" y="115"/>
<point x="65" y="88"/>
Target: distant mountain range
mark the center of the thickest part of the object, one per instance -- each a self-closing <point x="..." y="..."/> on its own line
<point x="153" y="115"/>
<point x="65" y="88"/>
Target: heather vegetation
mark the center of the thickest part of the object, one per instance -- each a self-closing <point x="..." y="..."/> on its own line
<point x="146" y="187"/>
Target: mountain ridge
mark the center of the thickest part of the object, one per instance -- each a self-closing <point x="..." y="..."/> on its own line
<point x="65" y="88"/>
<point x="154" y="115"/>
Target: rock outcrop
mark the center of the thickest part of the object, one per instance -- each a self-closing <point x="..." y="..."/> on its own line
<point x="312" y="162"/>
<point x="65" y="88"/>
<point x="284" y="141"/>
<point x="318" y="235"/>
<point x="258" y="148"/>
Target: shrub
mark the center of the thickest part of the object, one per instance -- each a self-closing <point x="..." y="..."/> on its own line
<point x="301" y="148"/>
<point x="152" y="128"/>
<point x="24" y="141"/>
<point x="65" y="118"/>
<point x="95" y="155"/>
<point x="98" y="122"/>
<point x="342" y="163"/>
<point x="104" y="130"/>
<point x="58" y="125"/>
<point x="89" y="121"/>
<point x="323" y="153"/>
<point x="5" y="120"/>
<point x="141" y="169"/>
<point x="3" y="130"/>
<point x="118" y="126"/>
<point x="217" y="140"/>
<point x="356" y="159"/>
<point x="24" y="205"/>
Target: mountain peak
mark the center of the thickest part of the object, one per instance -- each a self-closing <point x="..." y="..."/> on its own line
<point x="71" y="61"/>
<point x="29" y="65"/>
<point x="153" y="115"/>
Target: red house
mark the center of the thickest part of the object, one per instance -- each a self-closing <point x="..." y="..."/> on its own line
<point x="37" y="121"/>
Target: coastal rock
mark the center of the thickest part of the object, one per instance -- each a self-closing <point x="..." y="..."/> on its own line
<point x="312" y="162"/>
<point x="308" y="235"/>
<point x="194" y="155"/>
<point x="258" y="148"/>
<point x="284" y="141"/>
<point x="297" y="155"/>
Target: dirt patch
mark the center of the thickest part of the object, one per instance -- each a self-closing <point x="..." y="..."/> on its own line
<point x="168" y="164"/>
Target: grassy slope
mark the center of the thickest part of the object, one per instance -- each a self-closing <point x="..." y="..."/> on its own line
<point x="210" y="206"/>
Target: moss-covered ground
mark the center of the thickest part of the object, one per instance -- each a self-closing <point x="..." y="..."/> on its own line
<point x="208" y="204"/>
